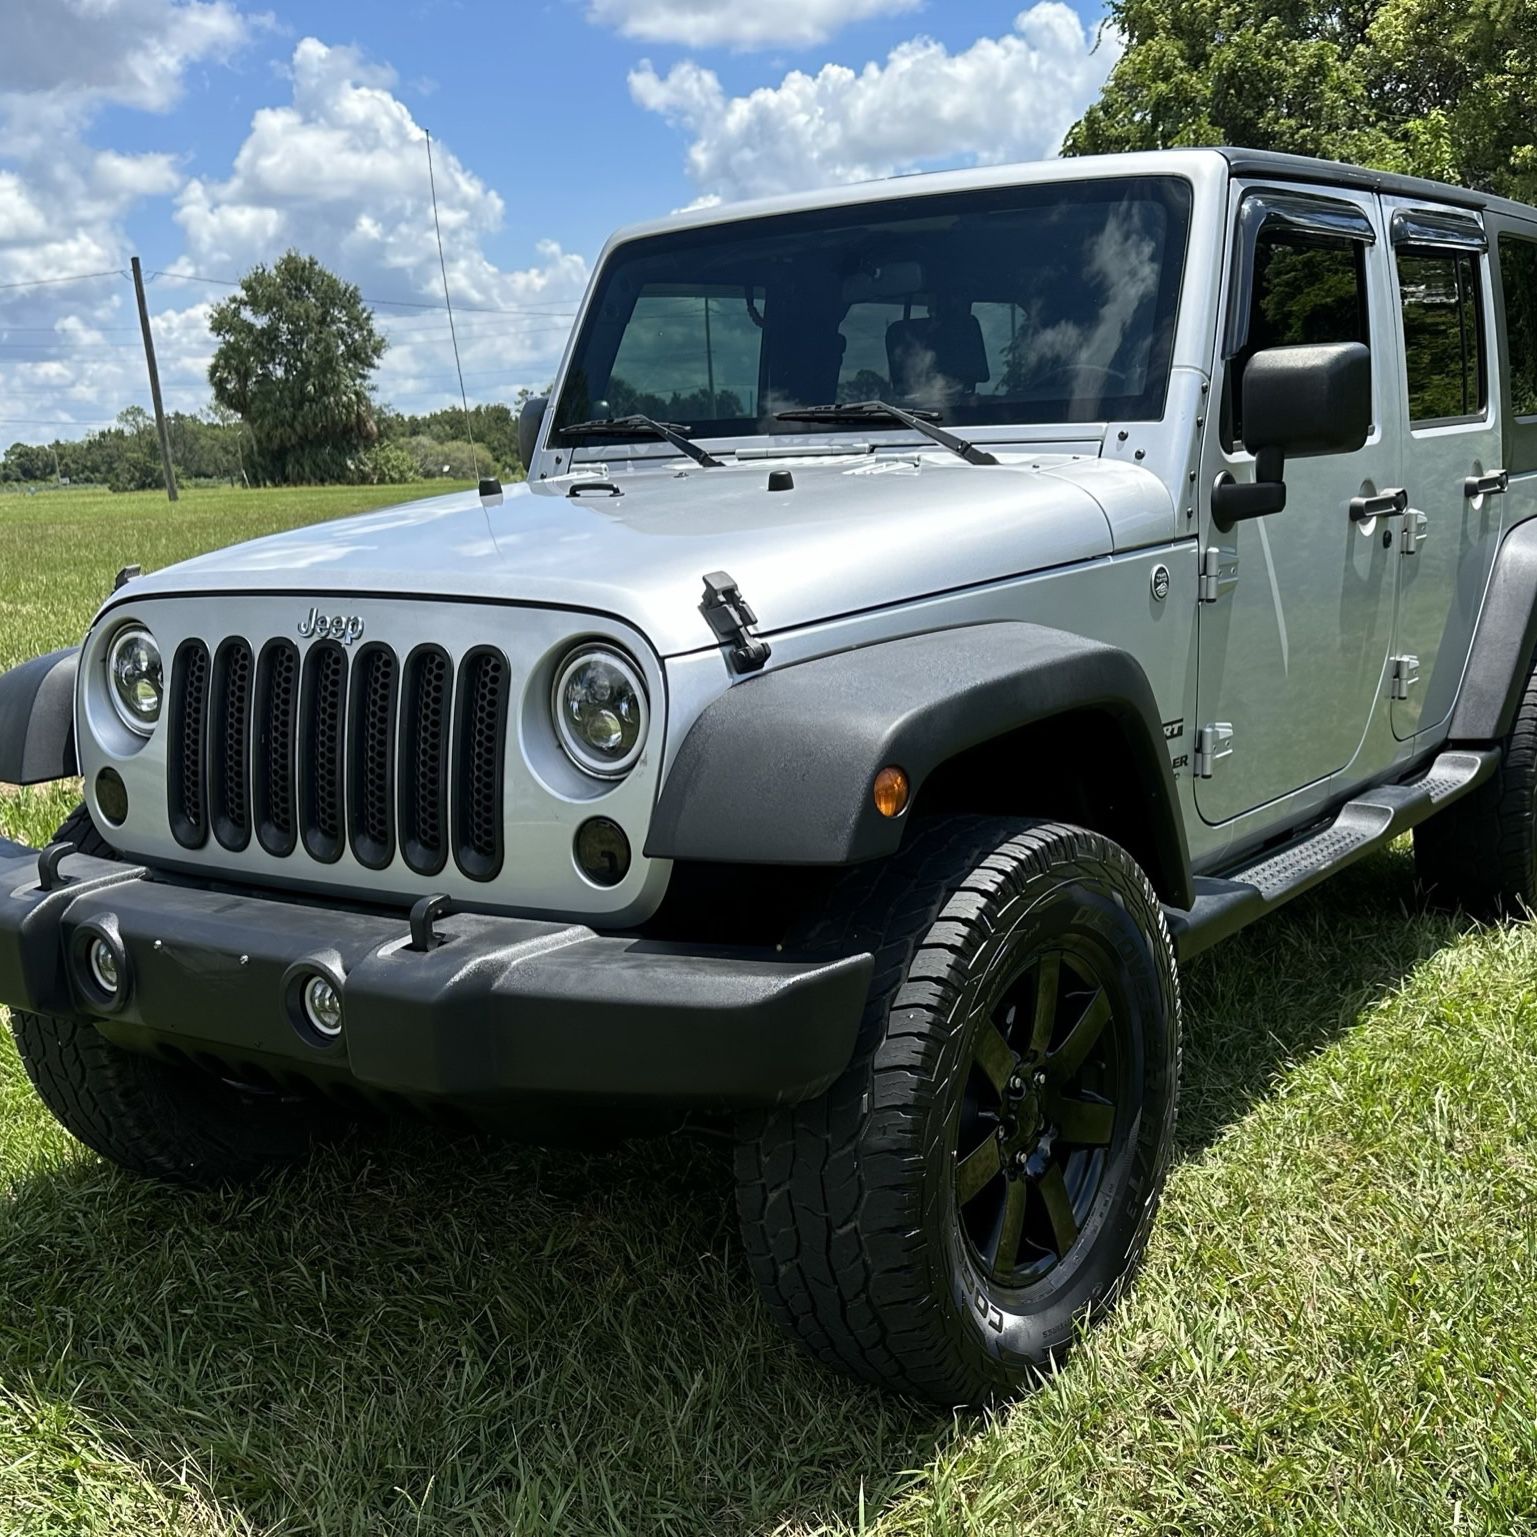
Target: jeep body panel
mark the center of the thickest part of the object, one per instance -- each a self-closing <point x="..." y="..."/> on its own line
<point x="846" y="538"/>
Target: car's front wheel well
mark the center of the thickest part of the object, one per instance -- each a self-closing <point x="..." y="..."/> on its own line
<point x="1081" y="767"/>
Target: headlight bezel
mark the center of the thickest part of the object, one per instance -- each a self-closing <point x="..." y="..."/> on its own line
<point x="581" y="754"/>
<point x="139" y="725"/>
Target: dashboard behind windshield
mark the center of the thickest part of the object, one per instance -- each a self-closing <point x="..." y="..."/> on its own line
<point x="1046" y="303"/>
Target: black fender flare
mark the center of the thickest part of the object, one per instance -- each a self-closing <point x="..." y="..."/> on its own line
<point x="779" y="769"/>
<point x="37" y="719"/>
<point x="1503" y="642"/>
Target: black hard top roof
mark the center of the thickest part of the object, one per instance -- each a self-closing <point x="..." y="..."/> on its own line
<point x="1304" y="168"/>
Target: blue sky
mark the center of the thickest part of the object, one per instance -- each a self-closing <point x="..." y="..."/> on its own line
<point x="206" y="136"/>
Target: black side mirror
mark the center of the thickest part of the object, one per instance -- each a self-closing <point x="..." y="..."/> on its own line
<point x="530" y="419"/>
<point x="1310" y="399"/>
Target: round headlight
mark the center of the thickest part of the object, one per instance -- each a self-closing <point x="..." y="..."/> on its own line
<point x="600" y="711"/>
<point x="135" y="678"/>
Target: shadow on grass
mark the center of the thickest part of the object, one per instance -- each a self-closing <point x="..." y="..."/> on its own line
<point x="416" y="1334"/>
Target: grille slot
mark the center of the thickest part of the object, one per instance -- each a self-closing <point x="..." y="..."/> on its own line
<point x="229" y="729"/>
<point x="371" y="756"/>
<point x="186" y="804"/>
<point x="274" y="719"/>
<point x="424" y="720"/>
<point x="480" y="731"/>
<point x="322" y="695"/>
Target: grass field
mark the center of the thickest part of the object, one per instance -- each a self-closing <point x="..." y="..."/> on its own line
<point x="1334" y="1332"/>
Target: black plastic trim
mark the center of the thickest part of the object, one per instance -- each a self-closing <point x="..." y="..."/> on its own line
<point x="1503" y="644"/>
<point x="415" y="733"/>
<point x="186" y="777"/>
<point x="228" y="746"/>
<point x="37" y="719"/>
<point x="503" y="1010"/>
<point x="318" y="843"/>
<point x="478" y="864"/>
<point x="371" y="852"/>
<point x="274" y="737"/>
<point x="1437" y="229"/>
<point x="778" y="769"/>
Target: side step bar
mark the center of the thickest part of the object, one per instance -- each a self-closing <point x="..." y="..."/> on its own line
<point x="1224" y="904"/>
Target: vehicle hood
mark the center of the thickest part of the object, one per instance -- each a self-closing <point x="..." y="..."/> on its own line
<point x="852" y="534"/>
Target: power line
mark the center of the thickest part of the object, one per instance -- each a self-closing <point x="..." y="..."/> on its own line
<point x="410" y="304"/>
<point x="74" y="277"/>
<point x="50" y="421"/>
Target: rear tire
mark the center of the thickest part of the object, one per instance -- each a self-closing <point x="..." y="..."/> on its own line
<point x="984" y="1174"/>
<point x="154" y="1118"/>
<point x="1480" y="854"/>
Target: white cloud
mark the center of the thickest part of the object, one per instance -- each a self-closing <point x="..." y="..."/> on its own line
<point x="341" y="173"/>
<point x="61" y="59"/>
<point x="1004" y="98"/>
<point x="743" y="25"/>
<point x="69" y="352"/>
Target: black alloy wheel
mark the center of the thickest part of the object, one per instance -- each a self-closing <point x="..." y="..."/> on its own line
<point x="1037" y="1116"/>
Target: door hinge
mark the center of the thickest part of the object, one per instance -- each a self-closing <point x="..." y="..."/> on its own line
<point x="727" y="612"/>
<point x="1213" y="743"/>
<point x="1406" y="673"/>
<point x="1219" y="572"/>
<point x="1413" y="534"/>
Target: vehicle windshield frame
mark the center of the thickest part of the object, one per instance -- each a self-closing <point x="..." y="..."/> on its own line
<point x="622" y="280"/>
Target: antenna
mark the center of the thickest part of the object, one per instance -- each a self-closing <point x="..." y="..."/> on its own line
<point x="490" y="488"/>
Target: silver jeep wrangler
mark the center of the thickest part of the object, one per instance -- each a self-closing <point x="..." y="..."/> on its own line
<point x="934" y="608"/>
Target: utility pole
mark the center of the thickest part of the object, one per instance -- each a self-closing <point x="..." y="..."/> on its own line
<point x="154" y="382"/>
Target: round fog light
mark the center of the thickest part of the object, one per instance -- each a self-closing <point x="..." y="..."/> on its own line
<point x="602" y="851"/>
<point x="105" y="972"/>
<point x="112" y="796"/>
<point x="323" y="1007"/>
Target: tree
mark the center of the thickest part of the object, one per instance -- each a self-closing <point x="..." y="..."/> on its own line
<point x="1401" y="85"/>
<point x="296" y="353"/>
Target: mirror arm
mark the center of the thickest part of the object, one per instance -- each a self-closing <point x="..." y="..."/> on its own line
<point x="1233" y="502"/>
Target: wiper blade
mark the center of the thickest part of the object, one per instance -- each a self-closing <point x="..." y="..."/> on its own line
<point x="628" y="426"/>
<point x="865" y="410"/>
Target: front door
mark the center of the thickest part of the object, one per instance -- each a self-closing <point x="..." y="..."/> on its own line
<point x="1452" y="468"/>
<point x="1298" y="611"/>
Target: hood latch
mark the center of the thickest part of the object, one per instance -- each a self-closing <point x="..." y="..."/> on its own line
<point x="728" y="614"/>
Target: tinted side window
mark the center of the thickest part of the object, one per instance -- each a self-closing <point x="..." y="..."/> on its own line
<point x="1518" y="279"/>
<point x="1307" y="288"/>
<point x="1443" y="339"/>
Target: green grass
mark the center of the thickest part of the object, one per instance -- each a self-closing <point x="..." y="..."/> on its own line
<point x="1334" y="1331"/>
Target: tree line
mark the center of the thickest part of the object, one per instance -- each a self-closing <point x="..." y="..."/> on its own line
<point x="293" y="404"/>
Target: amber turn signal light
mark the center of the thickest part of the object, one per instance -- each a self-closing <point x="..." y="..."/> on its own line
<point x="891" y="791"/>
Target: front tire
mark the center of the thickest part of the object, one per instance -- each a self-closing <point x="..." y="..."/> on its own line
<point x="154" y="1118"/>
<point x="984" y="1175"/>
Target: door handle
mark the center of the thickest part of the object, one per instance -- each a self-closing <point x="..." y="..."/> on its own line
<point x="1395" y="499"/>
<point x="1492" y="484"/>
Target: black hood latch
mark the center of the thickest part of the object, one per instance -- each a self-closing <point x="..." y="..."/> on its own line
<point x="728" y="614"/>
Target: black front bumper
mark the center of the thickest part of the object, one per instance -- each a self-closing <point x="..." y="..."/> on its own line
<point x="503" y="1009"/>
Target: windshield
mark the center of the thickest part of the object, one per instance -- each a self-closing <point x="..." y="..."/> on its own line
<point x="1042" y="304"/>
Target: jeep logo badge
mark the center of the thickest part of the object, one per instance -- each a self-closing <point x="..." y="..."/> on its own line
<point x="343" y="627"/>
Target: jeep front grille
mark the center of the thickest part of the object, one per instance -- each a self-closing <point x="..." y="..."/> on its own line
<point x="341" y="750"/>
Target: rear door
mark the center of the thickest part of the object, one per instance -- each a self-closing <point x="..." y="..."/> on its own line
<point x="1452" y="468"/>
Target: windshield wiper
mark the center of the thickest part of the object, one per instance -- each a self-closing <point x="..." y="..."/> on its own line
<point x="627" y="426"/>
<point x="866" y="410"/>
